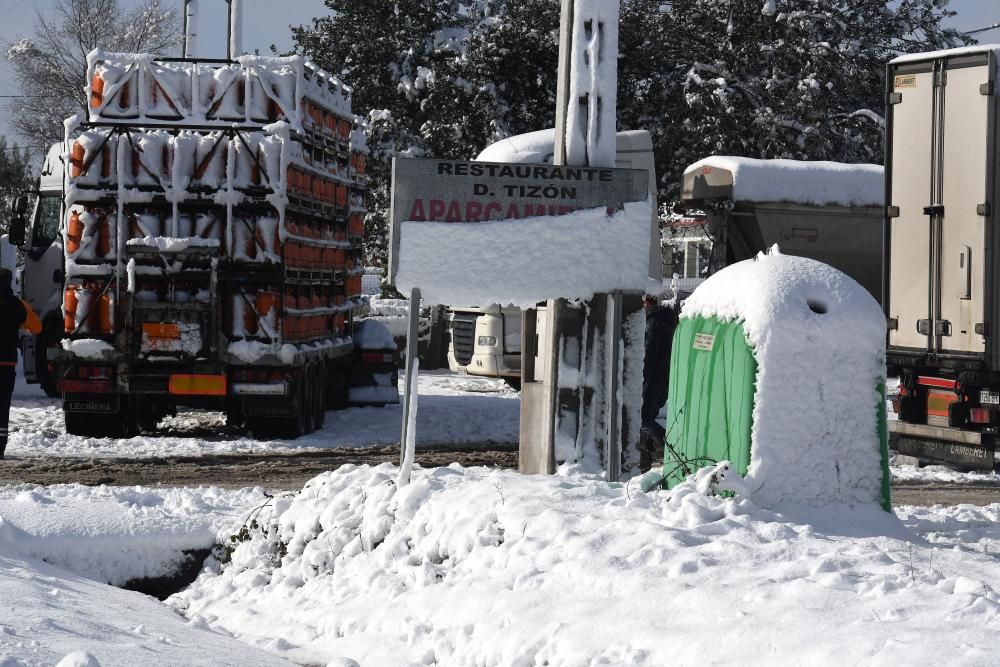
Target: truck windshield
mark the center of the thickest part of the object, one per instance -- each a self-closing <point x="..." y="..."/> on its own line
<point x="46" y="225"/>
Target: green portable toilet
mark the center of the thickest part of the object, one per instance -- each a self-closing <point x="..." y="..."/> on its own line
<point x="778" y="366"/>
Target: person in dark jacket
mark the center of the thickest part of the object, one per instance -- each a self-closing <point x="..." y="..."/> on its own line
<point x="661" y="322"/>
<point x="14" y="314"/>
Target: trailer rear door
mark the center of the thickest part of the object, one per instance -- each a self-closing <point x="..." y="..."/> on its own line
<point x="940" y="184"/>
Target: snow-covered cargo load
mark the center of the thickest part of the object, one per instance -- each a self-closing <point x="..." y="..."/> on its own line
<point x="941" y="258"/>
<point x="827" y="211"/>
<point x="213" y="220"/>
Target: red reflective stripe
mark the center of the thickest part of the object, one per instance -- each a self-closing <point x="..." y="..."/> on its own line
<point x="8" y="363"/>
<point x="936" y="382"/>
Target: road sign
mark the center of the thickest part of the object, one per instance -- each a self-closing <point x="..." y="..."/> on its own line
<point x="471" y="192"/>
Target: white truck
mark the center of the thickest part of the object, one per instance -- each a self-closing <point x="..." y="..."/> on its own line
<point x="43" y="269"/>
<point x="942" y="259"/>
<point x="487" y="341"/>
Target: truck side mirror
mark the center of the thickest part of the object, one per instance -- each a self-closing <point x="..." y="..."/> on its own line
<point x="18" y="220"/>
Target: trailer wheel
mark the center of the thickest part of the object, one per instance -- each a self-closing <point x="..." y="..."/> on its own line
<point x="320" y="402"/>
<point x="307" y="400"/>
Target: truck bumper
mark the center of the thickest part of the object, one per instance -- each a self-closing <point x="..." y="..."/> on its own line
<point x="949" y="445"/>
<point x="495" y="365"/>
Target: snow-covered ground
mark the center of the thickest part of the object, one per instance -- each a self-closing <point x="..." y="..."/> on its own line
<point x="454" y="409"/>
<point x="479" y="566"/>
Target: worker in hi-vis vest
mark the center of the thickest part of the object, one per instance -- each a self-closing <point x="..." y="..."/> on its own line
<point x="14" y="315"/>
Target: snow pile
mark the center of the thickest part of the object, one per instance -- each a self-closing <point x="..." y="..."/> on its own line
<point x="819" y="341"/>
<point x="477" y="566"/>
<point x="800" y="182"/>
<point x="529" y="260"/>
<point x="115" y="534"/>
<point x="88" y="348"/>
<point x="52" y="616"/>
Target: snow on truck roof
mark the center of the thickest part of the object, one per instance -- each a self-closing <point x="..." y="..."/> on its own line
<point x="946" y="53"/>
<point x="791" y="181"/>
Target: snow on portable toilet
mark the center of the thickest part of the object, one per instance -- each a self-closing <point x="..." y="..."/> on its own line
<point x="778" y="366"/>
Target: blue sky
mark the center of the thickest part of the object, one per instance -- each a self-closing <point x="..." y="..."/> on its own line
<point x="266" y="22"/>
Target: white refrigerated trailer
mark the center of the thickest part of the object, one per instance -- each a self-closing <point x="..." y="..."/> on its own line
<point x="942" y="303"/>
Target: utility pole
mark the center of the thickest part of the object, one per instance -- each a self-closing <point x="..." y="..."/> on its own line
<point x="571" y="354"/>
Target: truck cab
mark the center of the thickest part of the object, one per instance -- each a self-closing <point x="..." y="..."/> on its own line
<point x="36" y="228"/>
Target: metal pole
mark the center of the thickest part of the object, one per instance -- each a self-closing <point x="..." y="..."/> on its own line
<point x="613" y="447"/>
<point x="411" y="354"/>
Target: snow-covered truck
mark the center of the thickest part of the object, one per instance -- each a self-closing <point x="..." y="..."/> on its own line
<point x="828" y="211"/>
<point x="210" y="228"/>
<point x="942" y="301"/>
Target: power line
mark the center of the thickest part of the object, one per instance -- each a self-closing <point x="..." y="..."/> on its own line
<point x="989" y="27"/>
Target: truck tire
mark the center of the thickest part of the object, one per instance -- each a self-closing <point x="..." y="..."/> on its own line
<point x="338" y="382"/>
<point x="51" y="335"/>
<point x="307" y="401"/>
<point x="320" y="402"/>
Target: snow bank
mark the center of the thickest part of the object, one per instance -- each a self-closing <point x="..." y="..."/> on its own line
<point x="476" y="566"/>
<point x="800" y="182"/>
<point x="819" y="341"/>
<point x="116" y="534"/>
<point x="529" y="260"/>
<point x="88" y="348"/>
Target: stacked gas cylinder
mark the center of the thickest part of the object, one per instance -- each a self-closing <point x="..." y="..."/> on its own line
<point x="256" y="162"/>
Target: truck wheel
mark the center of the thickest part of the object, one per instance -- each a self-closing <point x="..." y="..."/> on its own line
<point x="50" y="337"/>
<point x="307" y="400"/>
<point x="319" y="405"/>
<point x="338" y="383"/>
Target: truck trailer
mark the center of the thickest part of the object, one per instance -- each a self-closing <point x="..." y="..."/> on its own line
<point x="828" y="211"/>
<point x="942" y="302"/>
<point x="205" y="246"/>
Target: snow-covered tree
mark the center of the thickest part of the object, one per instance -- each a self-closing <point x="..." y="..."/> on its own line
<point x="50" y="66"/>
<point x="15" y="178"/>
<point x="757" y="78"/>
<point x="801" y="79"/>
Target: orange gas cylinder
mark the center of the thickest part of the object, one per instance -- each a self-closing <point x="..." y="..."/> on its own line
<point x="123" y="97"/>
<point x="338" y="323"/>
<point x="106" y="313"/>
<point x="74" y="232"/>
<point x="345" y="130"/>
<point x="103" y="236"/>
<point x="265" y="302"/>
<point x="356" y="225"/>
<point x="329" y="123"/>
<point x="318" y="188"/>
<point x="77" y="157"/>
<point x="69" y="309"/>
<point x="291" y="245"/>
<point x="339" y="259"/>
<point x="96" y="91"/>
<point x="341" y="195"/>
<point x="250" y="240"/>
<point x="362" y="160"/>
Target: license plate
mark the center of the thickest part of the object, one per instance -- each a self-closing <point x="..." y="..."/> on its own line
<point x="987" y="397"/>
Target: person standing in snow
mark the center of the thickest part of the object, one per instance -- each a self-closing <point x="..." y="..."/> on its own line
<point x="661" y="322"/>
<point x="14" y="314"/>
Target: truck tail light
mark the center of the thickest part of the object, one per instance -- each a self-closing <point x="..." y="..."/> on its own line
<point x="376" y="358"/>
<point x="979" y="415"/>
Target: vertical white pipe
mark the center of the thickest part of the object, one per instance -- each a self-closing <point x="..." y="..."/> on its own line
<point x="190" y="28"/>
<point x="235" y="28"/>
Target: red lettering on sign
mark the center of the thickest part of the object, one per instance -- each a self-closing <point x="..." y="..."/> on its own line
<point x="454" y="212"/>
<point x="437" y="209"/>
<point x="492" y="209"/>
<point x="512" y="212"/>
<point x="473" y="211"/>
<point x="417" y="212"/>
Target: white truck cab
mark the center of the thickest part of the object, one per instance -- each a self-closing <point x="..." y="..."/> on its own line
<point x="36" y="226"/>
